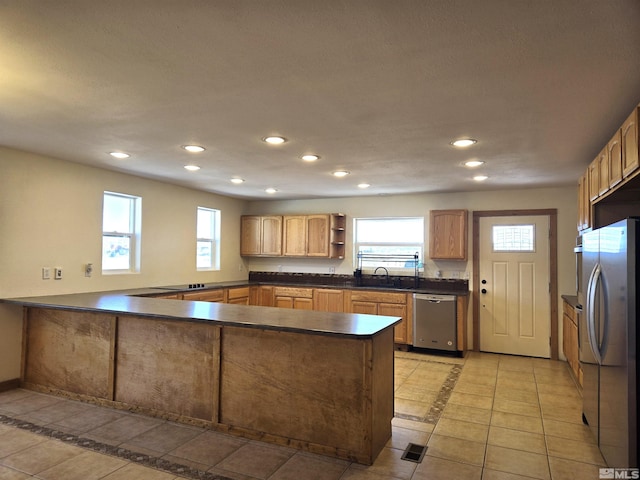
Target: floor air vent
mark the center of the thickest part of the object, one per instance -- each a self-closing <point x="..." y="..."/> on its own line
<point x="414" y="452"/>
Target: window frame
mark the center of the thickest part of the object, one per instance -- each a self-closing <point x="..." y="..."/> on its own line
<point x="133" y="235"/>
<point x="411" y="248"/>
<point x="213" y="241"/>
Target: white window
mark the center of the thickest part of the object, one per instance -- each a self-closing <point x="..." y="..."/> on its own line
<point x="120" y="233"/>
<point x="208" y="239"/>
<point x="401" y="237"/>
<point x="513" y="238"/>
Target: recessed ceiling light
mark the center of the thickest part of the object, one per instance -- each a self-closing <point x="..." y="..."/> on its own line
<point x="119" y="154"/>
<point x="274" y="140"/>
<point x="363" y="185"/>
<point x="480" y="178"/>
<point x="237" y="181"/>
<point x="310" y="158"/>
<point x="270" y="190"/>
<point x="473" y="163"/>
<point x="192" y="168"/>
<point x="193" y="148"/>
<point x="463" y="142"/>
<point x="340" y="173"/>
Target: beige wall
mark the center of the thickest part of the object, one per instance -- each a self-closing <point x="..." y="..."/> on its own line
<point x="51" y="215"/>
<point x="563" y="199"/>
<point x="51" y="210"/>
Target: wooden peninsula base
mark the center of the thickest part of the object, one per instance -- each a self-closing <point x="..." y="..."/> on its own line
<point x="326" y="393"/>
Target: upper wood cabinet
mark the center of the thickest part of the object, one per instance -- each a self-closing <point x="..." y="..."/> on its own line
<point x="448" y="235"/>
<point x="318" y="228"/>
<point x="306" y="235"/>
<point x="261" y="235"/>
<point x="318" y="235"/>
<point x="594" y="178"/>
<point x="337" y="235"/>
<point x="294" y="235"/>
<point x="629" y="140"/>
<point x="603" y="172"/>
<point x="609" y="172"/>
<point x="584" y="203"/>
<point x="614" y="156"/>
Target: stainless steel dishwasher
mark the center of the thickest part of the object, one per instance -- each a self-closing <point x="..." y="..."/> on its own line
<point x="434" y="321"/>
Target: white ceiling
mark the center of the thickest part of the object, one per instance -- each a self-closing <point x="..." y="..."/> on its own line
<point x="376" y="87"/>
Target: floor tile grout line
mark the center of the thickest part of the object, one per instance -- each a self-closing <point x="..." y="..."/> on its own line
<point x="146" y="460"/>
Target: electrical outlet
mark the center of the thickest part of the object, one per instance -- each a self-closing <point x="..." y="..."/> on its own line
<point x="332" y="269"/>
<point x="46" y="273"/>
<point x="57" y="273"/>
<point x="88" y="269"/>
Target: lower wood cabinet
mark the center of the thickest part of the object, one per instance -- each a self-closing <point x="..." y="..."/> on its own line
<point x="369" y="302"/>
<point x="570" y="345"/>
<point x="328" y="300"/>
<point x="205" y="296"/>
<point x="384" y="303"/>
<point x="238" y="296"/>
<point x="293" y="297"/>
<point x="261" y="295"/>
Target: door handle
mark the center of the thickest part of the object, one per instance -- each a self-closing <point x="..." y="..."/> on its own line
<point x="592" y="289"/>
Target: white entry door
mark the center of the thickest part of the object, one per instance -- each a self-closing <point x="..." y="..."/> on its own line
<point x="515" y="313"/>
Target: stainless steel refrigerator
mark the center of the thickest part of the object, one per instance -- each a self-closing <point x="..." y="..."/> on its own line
<point x="608" y="340"/>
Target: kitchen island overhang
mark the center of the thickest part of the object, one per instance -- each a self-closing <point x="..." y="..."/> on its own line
<point x="316" y="381"/>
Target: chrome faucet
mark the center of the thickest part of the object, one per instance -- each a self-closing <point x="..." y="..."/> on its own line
<point x="386" y="271"/>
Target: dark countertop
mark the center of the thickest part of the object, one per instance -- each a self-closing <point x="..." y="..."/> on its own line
<point x="571" y="300"/>
<point x="393" y="283"/>
<point x="267" y="318"/>
<point x="137" y="302"/>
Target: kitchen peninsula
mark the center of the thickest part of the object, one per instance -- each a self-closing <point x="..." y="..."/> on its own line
<point x="315" y="381"/>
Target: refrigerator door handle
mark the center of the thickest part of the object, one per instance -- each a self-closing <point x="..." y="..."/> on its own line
<point x="592" y="291"/>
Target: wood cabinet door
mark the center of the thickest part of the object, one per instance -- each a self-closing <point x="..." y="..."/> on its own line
<point x="580" y="222"/>
<point x="238" y="296"/>
<point x="283" y="302"/>
<point x="448" y="234"/>
<point x="566" y="338"/>
<point x="294" y="235"/>
<point x="250" y="235"/>
<point x="629" y="140"/>
<point x="614" y="154"/>
<point x="594" y="178"/>
<point x="369" y="308"/>
<point x="303" y="303"/>
<point x="327" y="300"/>
<point x="206" y="296"/>
<point x="318" y="229"/>
<point x="271" y="235"/>
<point x="396" y="310"/>
<point x="586" y="202"/>
<point x="262" y="296"/>
<point x="603" y="172"/>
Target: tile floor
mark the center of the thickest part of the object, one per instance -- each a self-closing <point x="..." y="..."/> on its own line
<point x="497" y="418"/>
